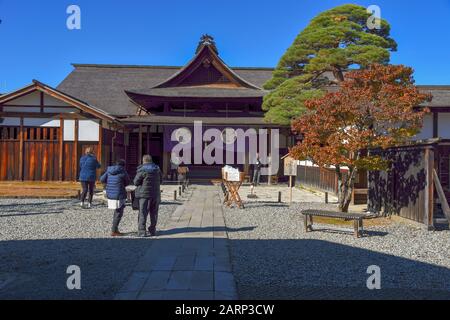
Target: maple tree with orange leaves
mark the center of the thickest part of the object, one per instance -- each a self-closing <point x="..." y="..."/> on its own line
<point x="374" y="108"/>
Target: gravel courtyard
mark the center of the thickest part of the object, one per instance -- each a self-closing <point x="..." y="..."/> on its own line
<point x="33" y="265"/>
<point x="276" y="259"/>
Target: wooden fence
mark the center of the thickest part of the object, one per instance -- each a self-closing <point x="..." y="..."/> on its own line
<point x="318" y="178"/>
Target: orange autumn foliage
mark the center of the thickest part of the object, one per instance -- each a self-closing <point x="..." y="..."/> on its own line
<point x="374" y="108"/>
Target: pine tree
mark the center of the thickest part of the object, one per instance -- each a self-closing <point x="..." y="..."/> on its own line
<point x="334" y="41"/>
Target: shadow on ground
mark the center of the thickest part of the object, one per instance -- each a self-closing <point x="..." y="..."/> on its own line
<point x="263" y="269"/>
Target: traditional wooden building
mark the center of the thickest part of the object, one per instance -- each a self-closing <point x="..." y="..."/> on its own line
<point x="126" y="111"/>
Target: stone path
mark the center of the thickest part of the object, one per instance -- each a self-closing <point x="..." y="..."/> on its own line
<point x="189" y="260"/>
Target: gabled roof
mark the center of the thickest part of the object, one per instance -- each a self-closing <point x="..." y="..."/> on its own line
<point x="206" y="53"/>
<point x="104" y="85"/>
<point x="42" y="87"/>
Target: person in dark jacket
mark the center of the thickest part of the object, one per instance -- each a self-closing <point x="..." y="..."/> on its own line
<point x="116" y="179"/>
<point x="88" y="176"/>
<point x="257" y="171"/>
<point x="148" y="180"/>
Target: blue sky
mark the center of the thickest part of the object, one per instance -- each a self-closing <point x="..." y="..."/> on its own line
<point x="37" y="45"/>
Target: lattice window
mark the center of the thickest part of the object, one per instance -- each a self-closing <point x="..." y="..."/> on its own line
<point x="29" y="133"/>
<point x="38" y="133"/>
<point x="9" y="133"/>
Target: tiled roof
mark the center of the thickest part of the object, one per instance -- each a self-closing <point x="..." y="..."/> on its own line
<point x="104" y="86"/>
<point x="196" y="92"/>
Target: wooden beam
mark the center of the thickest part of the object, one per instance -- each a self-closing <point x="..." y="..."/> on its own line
<point x="61" y="148"/>
<point x="75" y="148"/>
<point x="435" y="124"/>
<point x="140" y="145"/>
<point x="41" y="105"/>
<point x="148" y="140"/>
<point x="100" y="143"/>
<point x="21" y="145"/>
<point x="126" y="138"/>
<point x="429" y="192"/>
<point x="441" y="194"/>
<point x="45" y="115"/>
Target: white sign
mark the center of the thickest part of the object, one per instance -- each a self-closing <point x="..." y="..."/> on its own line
<point x="231" y="174"/>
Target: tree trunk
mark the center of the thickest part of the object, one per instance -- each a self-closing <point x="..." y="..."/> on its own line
<point x="346" y="187"/>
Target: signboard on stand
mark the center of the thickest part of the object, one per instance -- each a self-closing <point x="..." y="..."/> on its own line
<point x="290" y="170"/>
<point x="290" y="166"/>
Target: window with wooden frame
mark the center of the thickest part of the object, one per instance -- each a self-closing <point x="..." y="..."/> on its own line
<point x="9" y="133"/>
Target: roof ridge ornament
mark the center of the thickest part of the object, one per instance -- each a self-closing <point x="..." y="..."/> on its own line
<point x="207" y="40"/>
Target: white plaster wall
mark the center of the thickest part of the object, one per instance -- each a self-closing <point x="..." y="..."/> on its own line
<point x="69" y="130"/>
<point x="32" y="99"/>
<point x="444" y="125"/>
<point x="40" y="122"/>
<point x="50" y="101"/>
<point x="10" y="122"/>
<point x="88" y="130"/>
<point x="22" y="109"/>
<point x="427" y="129"/>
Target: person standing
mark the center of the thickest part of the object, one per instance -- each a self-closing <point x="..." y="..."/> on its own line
<point x="116" y="179"/>
<point x="148" y="180"/>
<point x="257" y="171"/>
<point x="88" y="176"/>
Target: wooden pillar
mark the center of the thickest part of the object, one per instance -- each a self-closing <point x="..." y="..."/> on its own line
<point x="21" y="158"/>
<point x="126" y="143"/>
<point x="148" y="140"/>
<point x="140" y="146"/>
<point x="61" y="149"/>
<point x="166" y="107"/>
<point x="429" y="191"/>
<point x="75" y="149"/>
<point x="42" y="102"/>
<point x="269" y="149"/>
<point x="435" y="124"/>
<point x="100" y="143"/>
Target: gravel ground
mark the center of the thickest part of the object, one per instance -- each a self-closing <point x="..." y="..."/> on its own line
<point x="278" y="260"/>
<point x="39" y="239"/>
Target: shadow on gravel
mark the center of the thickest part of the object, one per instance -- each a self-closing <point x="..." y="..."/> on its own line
<point x="263" y="269"/>
<point x="367" y="233"/>
<point x="205" y="229"/>
<point x="257" y="204"/>
<point x="315" y="269"/>
<point x="29" y="214"/>
<point x="20" y="206"/>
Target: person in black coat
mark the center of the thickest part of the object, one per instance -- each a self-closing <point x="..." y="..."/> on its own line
<point x="148" y="180"/>
<point x="257" y="171"/>
<point x="116" y="179"/>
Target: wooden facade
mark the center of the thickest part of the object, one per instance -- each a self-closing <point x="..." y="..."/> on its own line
<point x="43" y="133"/>
<point x="408" y="187"/>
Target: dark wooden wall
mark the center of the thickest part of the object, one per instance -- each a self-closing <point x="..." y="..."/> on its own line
<point x="406" y="188"/>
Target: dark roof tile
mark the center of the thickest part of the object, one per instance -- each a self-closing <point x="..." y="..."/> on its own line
<point x="104" y="86"/>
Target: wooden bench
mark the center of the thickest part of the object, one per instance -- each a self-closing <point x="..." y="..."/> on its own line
<point x="357" y="219"/>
